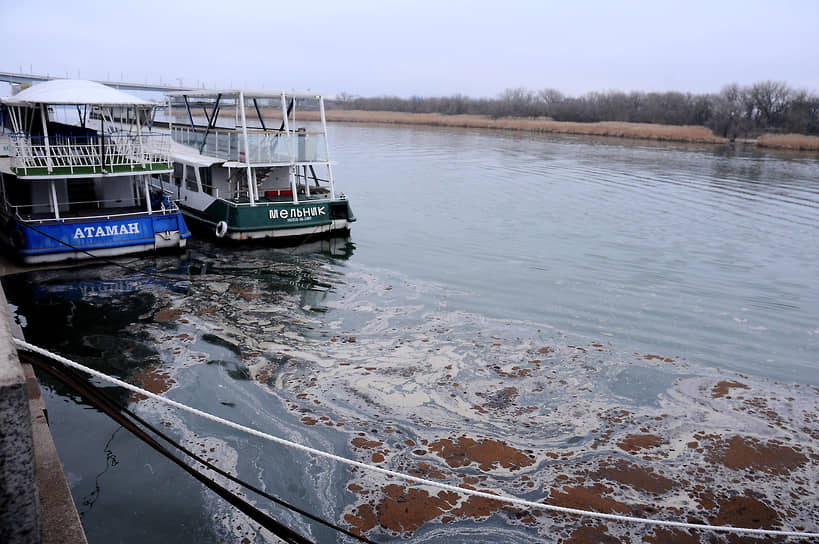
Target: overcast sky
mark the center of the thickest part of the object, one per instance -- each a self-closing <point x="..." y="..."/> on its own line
<point x="419" y="47"/>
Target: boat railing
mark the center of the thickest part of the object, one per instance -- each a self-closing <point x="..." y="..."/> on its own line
<point x="27" y="213"/>
<point x="89" y="154"/>
<point x="263" y="147"/>
<point x="240" y="202"/>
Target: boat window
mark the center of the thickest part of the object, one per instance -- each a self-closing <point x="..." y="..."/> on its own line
<point x="177" y="173"/>
<point x="19" y="196"/>
<point x="190" y="179"/>
<point x="82" y="194"/>
<point x="207" y="179"/>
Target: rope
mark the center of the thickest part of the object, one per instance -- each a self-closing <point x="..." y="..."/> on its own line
<point x="462" y="491"/>
<point x="101" y="401"/>
<point x="126" y="418"/>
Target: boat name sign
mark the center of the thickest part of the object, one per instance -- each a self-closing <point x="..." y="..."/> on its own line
<point x="107" y="230"/>
<point x="294" y="215"/>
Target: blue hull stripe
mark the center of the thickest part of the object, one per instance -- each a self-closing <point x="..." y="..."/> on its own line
<point x="98" y="234"/>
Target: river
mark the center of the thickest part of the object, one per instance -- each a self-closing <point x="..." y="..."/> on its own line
<point x="622" y="326"/>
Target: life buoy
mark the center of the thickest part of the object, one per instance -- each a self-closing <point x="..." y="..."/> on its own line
<point x="221" y="229"/>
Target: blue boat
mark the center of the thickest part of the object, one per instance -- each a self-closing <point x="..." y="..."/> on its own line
<point x="76" y="159"/>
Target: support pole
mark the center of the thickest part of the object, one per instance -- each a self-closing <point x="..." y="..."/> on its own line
<point x="44" y="119"/>
<point x="286" y="125"/>
<point x="102" y="141"/>
<point x="259" y="113"/>
<point x="170" y="117"/>
<point x="327" y="149"/>
<point x="251" y="183"/>
<point x="147" y="194"/>
<point x="54" y="204"/>
<point x="211" y="122"/>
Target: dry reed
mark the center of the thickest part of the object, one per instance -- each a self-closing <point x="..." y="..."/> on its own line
<point x="644" y="131"/>
<point x="798" y="142"/>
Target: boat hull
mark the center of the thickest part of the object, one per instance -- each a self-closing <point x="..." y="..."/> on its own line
<point x="272" y="221"/>
<point x="32" y="242"/>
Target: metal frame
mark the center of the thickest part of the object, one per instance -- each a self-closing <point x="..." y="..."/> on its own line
<point x="255" y="148"/>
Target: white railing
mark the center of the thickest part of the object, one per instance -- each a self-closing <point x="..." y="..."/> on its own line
<point x="83" y="155"/>
<point x="48" y="220"/>
<point x="262" y="147"/>
<point x="27" y="213"/>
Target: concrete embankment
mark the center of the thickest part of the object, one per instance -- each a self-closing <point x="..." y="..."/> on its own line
<point x="35" y="502"/>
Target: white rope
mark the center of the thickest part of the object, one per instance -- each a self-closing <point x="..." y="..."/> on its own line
<point x="407" y="477"/>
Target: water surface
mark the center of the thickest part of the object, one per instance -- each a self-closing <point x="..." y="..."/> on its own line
<point x="595" y="323"/>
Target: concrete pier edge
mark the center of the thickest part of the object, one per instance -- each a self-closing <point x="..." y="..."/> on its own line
<point x="36" y="505"/>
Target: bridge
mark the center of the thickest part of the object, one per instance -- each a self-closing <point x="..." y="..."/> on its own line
<point x="17" y="79"/>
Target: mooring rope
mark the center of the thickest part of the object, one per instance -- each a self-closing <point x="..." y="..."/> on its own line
<point x="80" y="385"/>
<point x="363" y="466"/>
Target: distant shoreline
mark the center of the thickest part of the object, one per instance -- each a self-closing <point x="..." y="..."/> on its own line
<point x="638" y="131"/>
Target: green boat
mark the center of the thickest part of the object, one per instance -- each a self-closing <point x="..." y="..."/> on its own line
<point x="244" y="171"/>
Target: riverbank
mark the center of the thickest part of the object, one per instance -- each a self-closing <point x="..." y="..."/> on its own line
<point x="640" y="131"/>
<point x="796" y="142"/>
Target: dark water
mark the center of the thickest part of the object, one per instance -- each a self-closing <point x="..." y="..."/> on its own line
<point x="552" y="298"/>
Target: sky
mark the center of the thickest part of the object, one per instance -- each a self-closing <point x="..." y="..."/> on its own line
<point x="418" y="47"/>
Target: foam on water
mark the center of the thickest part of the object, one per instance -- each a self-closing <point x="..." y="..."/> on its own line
<point x="504" y="405"/>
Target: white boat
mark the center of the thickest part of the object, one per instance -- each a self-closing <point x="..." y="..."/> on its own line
<point x="243" y="171"/>
<point x="75" y="169"/>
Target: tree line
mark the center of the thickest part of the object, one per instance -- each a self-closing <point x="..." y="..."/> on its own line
<point x="736" y="111"/>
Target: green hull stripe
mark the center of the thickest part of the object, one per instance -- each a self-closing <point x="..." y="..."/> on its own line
<point x="279" y="216"/>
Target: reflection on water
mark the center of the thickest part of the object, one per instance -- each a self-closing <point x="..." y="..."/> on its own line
<point x="592" y="324"/>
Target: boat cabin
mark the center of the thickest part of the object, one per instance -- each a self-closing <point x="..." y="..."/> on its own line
<point x="81" y="152"/>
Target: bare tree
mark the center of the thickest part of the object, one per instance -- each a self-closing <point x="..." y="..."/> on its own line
<point x="734" y="111"/>
<point x="769" y="99"/>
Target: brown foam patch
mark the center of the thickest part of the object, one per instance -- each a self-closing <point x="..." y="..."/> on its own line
<point x="591" y="535"/>
<point x="661" y="535"/>
<point x="744" y="453"/>
<point x="488" y="453"/>
<point x="635" y="476"/>
<point x="406" y="510"/>
<point x="362" y="519"/>
<point x="592" y="497"/>
<point x="633" y="443"/>
<point x="151" y="379"/>
<point x="724" y="387"/>
<point x="746" y="512"/>
<point x="403" y="510"/>
<point x="477" y="507"/>
<point x="168" y="314"/>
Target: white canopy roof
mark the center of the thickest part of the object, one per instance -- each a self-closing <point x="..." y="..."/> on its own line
<point x="74" y="91"/>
